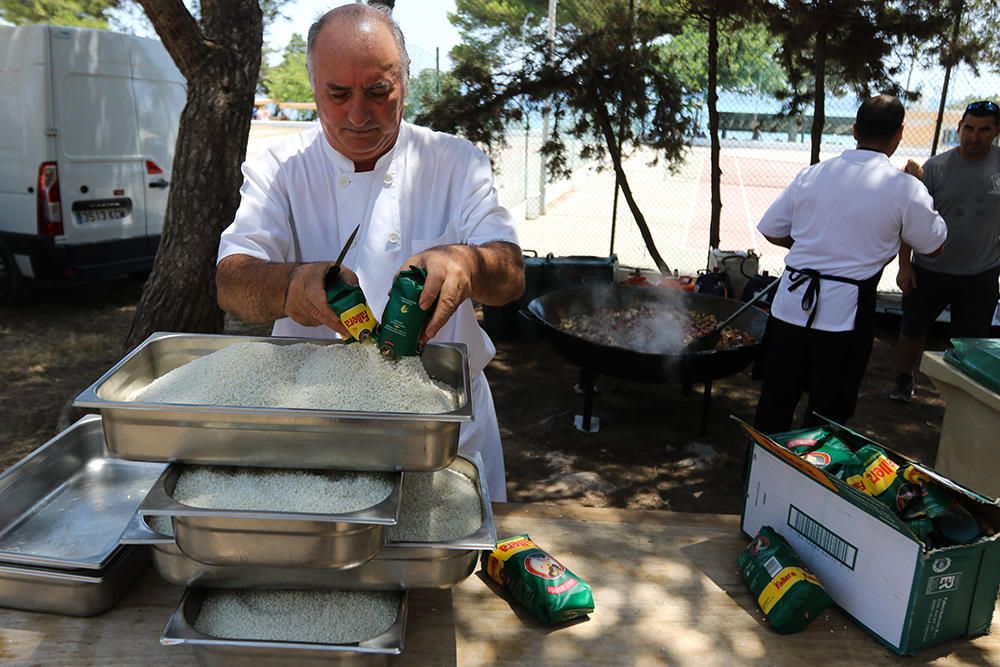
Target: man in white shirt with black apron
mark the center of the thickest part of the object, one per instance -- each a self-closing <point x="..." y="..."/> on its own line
<point x="842" y="220"/>
<point x="420" y="197"/>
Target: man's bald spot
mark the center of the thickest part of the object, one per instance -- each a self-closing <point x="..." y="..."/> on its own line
<point x="362" y="23"/>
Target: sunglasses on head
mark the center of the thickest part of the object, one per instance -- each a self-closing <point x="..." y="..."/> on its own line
<point x="983" y="105"/>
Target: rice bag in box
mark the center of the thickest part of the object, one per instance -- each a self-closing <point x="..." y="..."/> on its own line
<point x="537" y="580"/>
<point x="788" y="594"/>
<point x="823" y="450"/>
<point x="879" y="476"/>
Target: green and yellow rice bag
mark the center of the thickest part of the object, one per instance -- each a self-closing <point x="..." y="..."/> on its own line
<point x="537" y="580"/>
<point x="824" y="450"/>
<point x="788" y="594"/>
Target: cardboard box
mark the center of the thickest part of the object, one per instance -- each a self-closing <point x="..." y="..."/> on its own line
<point x="907" y="596"/>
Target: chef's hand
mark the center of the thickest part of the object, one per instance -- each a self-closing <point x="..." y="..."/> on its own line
<point x="305" y="298"/>
<point x="914" y="169"/>
<point x="906" y="279"/>
<point x="451" y="272"/>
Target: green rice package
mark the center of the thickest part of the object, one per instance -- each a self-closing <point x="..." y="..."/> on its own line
<point x="914" y="497"/>
<point x="403" y="319"/>
<point x="879" y="476"/>
<point x="537" y="580"/>
<point x="788" y="594"/>
<point x="824" y="450"/>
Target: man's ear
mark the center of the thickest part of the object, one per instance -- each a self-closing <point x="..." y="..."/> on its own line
<point x="855" y="128"/>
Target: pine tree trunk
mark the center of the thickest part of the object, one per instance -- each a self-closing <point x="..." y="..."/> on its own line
<point x="220" y="59"/>
<point x="713" y="129"/>
<point x="819" y="112"/>
<point x="604" y="120"/>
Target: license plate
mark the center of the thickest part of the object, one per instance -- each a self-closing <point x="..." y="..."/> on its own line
<point x="102" y="215"/>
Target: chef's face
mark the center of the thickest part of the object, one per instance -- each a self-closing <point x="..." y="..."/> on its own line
<point x="359" y="89"/>
<point x="975" y="134"/>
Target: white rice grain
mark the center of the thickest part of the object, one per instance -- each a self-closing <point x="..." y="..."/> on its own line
<point x="329" y="617"/>
<point x="163" y="525"/>
<point x="437" y="507"/>
<point x="318" y="377"/>
<point x="275" y="490"/>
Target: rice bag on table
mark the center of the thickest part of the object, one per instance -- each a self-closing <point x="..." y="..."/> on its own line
<point x="788" y="594"/>
<point x="538" y="581"/>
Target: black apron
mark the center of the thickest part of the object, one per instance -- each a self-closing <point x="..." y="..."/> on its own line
<point x="810" y="281"/>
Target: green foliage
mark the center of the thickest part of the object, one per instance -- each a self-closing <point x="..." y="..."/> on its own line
<point x="289" y="81"/>
<point x="427" y="87"/>
<point x="746" y="59"/>
<point x="81" y="13"/>
<point x="860" y="39"/>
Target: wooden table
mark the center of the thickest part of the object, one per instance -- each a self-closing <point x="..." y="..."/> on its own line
<point x="666" y="588"/>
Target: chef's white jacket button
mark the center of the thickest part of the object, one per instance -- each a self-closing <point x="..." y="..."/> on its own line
<point x="345" y="181"/>
<point x="393" y="237"/>
<point x="388" y="179"/>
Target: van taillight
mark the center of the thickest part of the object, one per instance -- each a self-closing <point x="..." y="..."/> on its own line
<point x="49" y="205"/>
<point x="152" y="168"/>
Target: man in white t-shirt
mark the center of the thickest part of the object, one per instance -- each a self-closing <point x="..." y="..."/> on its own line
<point x="421" y="198"/>
<point x="842" y="220"/>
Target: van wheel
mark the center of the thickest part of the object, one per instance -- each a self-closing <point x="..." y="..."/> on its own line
<point x="13" y="286"/>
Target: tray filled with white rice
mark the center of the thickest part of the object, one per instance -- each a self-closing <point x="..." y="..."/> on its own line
<point x="283" y="403"/>
<point x="274" y="627"/>
<point x="276" y="517"/>
<point x="445" y="520"/>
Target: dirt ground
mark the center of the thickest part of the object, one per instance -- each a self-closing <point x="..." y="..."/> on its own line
<point x="647" y="454"/>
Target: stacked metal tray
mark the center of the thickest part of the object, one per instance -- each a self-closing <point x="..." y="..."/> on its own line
<point x="396" y="565"/>
<point x="63" y="509"/>
<point x="234" y="549"/>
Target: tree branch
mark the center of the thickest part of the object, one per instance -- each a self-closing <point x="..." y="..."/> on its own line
<point x="607" y="129"/>
<point x="179" y="33"/>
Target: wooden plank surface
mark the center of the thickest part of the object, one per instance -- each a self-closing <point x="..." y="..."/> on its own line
<point x="666" y="588"/>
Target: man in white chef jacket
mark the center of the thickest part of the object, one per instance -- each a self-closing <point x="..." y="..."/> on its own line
<point x="421" y="198"/>
<point x="843" y="220"/>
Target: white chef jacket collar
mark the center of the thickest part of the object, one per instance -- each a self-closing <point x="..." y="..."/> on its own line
<point x="344" y="164"/>
<point x="864" y="155"/>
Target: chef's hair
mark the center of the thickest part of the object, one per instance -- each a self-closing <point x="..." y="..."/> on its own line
<point x="356" y="12"/>
<point x="879" y="118"/>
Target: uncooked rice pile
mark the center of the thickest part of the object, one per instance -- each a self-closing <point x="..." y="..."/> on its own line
<point x="437" y="507"/>
<point x="275" y="490"/>
<point x="319" y="377"/>
<point x="161" y="524"/>
<point x="329" y="617"/>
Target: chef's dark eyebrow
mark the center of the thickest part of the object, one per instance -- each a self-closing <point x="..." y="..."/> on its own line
<point x="377" y="86"/>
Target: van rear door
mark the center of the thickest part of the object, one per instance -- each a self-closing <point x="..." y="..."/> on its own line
<point x="101" y="170"/>
<point x="160" y="95"/>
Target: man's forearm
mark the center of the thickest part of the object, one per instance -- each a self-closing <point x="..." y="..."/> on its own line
<point x="252" y="289"/>
<point x="499" y="273"/>
<point x="905" y="254"/>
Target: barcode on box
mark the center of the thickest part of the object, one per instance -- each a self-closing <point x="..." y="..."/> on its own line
<point x="772" y="566"/>
<point x="824" y="538"/>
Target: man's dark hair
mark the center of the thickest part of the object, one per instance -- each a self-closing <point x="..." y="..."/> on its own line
<point x="983" y="109"/>
<point x="879" y="118"/>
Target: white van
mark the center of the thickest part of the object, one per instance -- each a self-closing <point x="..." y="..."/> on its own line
<point x="88" y="123"/>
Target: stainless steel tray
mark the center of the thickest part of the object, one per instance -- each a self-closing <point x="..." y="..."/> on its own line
<point x="396" y="566"/>
<point x="272" y="539"/>
<point x="66" y="504"/>
<point x="268" y="437"/>
<point x="71" y="592"/>
<point x="216" y="652"/>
